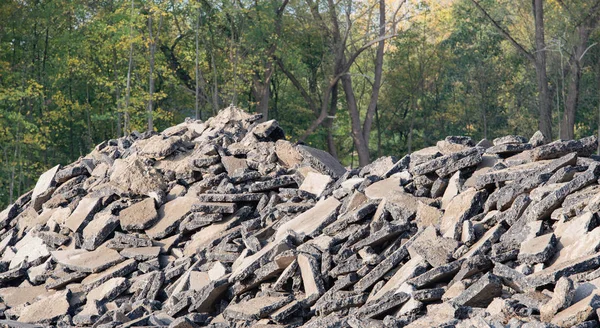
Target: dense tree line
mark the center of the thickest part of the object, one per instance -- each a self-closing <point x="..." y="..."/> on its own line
<point x="361" y="79"/>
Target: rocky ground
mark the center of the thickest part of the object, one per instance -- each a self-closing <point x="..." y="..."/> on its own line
<point x="224" y="223"/>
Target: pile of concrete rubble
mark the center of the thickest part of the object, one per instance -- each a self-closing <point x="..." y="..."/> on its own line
<point x="224" y="223"/>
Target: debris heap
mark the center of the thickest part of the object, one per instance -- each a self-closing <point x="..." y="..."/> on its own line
<point x="224" y="223"/>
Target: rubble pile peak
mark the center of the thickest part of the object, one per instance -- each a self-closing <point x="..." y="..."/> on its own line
<point x="224" y="223"/>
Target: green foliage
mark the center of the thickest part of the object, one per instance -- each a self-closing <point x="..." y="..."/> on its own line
<point x="63" y="72"/>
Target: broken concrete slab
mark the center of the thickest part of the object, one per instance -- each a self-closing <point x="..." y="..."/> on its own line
<point x="313" y="285"/>
<point x="33" y="251"/>
<point x="442" y="161"/>
<point x="256" y="308"/>
<point x="543" y="208"/>
<point x="170" y="215"/>
<point x="383" y="305"/>
<point x="46" y="310"/>
<point x="83" y="213"/>
<point x="586" y="244"/>
<point x="481" y="293"/>
<point x="322" y="161"/>
<point x="219" y="208"/>
<point x="287" y="153"/>
<point x="85" y="261"/>
<point x="578" y="312"/>
<point x="315" y="183"/>
<point x="102" y="225"/>
<point x="141" y="253"/>
<point x="561" y="299"/>
<point x="412" y="268"/>
<point x="538" y="250"/>
<point x="139" y="216"/>
<point x="311" y="221"/>
<point x="43" y="188"/>
<point x="16" y="296"/>
<point x="131" y="173"/>
<point x="553" y="273"/>
<point x="230" y="198"/>
<point x="460" y="208"/>
<point x="432" y="248"/>
<point x="583" y="147"/>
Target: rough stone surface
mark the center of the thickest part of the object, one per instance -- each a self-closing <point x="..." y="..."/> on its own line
<point x="561" y="298"/>
<point x="82" y="213"/>
<point x="481" y="293"/>
<point x="224" y="223"/>
<point x="138" y="216"/>
<point x="82" y="260"/>
<point x="47" y="309"/>
<point x="43" y="188"/>
<point x="170" y="215"/>
<point x="578" y="312"/>
<point x="315" y="183"/>
<point x="538" y="250"/>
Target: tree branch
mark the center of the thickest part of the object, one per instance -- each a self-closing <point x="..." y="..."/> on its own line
<point x="297" y="84"/>
<point x="360" y="50"/>
<point x="505" y="33"/>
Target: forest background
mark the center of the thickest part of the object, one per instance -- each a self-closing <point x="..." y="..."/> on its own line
<point x="359" y="78"/>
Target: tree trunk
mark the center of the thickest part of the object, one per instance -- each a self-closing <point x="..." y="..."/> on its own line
<point x="545" y="112"/>
<point x="197" y="100"/>
<point x="151" y="77"/>
<point x="567" y="131"/>
<point x="331" y="148"/>
<point x="538" y="59"/>
<point x="130" y="67"/>
<point x="357" y="134"/>
<point x="410" y="134"/>
<point x="262" y="92"/>
<point x="265" y="94"/>
<point x="378" y="123"/>
<point x="215" y="90"/>
<point x="368" y="123"/>
<point x="117" y="93"/>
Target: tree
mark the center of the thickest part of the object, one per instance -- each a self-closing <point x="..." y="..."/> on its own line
<point x="343" y="57"/>
<point x="537" y="58"/>
<point x="584" y="25"/>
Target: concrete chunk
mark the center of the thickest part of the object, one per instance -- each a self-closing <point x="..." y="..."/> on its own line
<point x="83" y="213"/>
<point x="221" y="208"/>
<point x="578" y="312"/>
<point x="435" y="250"/>
<point x="141" y="253"/>
<point x="583" y="147"/>
<point x="138" y="216"/>
<point x="561" y="299"/>
<point x="311" y="276"/>
<point x="82" y="260"/>
<point x="311" y="221"/>
<point x="33" y="251"/>
<point x="384" y="304"/>
<point x="94" y="234"/>
<point x="46" y="310"/>
<point x="481" y="293"/>
<point x="412" y="268"/>
<point x="321" y="161"/>
<point x="170" y="215"/>
<point x="462" y="207"/>
<point x="315" y="183"/>
<point x="231" y="198"/>
<point x="43" y="188"/>
<point x="538" y="250"/>
<point x="256" y="308"/>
